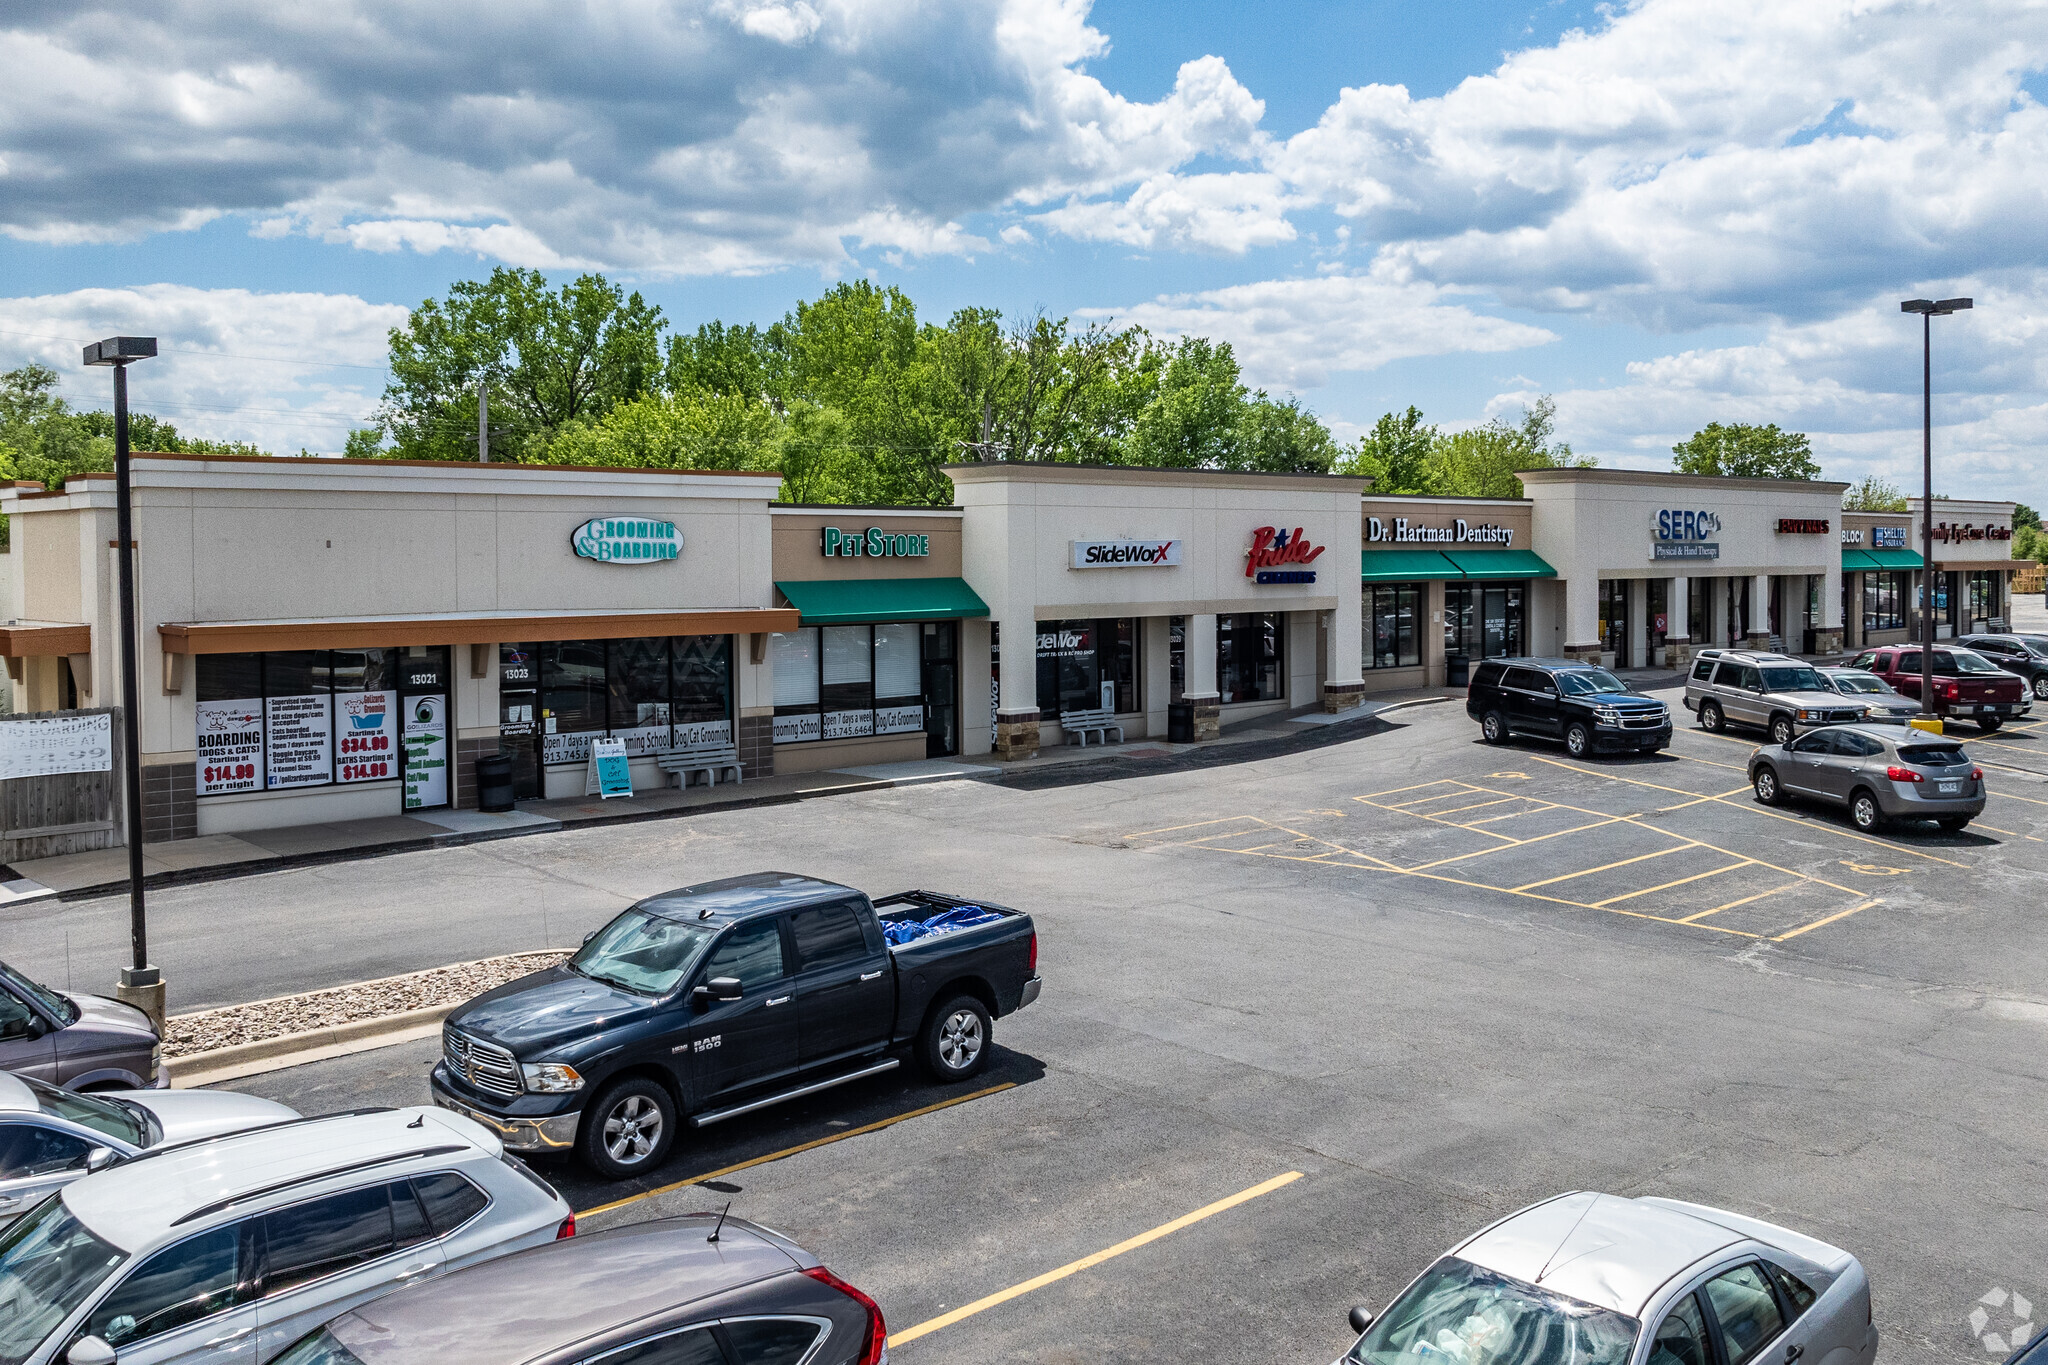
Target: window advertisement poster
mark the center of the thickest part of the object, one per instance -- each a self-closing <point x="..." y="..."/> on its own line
<point x="58" y="744"/>
<point x="571" y="746"/>
<point x="849" y="724"/>
<point x="689" y="733"/>
<point x="366" y="738"/>
<point x="643" y="740"/>
<point x="798" y="729"/>
<point x="301" y="747"/>
<point x="426" y="751"/>
<point x="898" y="720"/>
<point x="230" y="746"/>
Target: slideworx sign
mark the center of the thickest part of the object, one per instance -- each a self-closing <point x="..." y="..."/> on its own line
<point x="627" y="540"/>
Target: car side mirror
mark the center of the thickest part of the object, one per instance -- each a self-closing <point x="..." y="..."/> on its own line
<point x="722" y="989"/>
<point x="99" y="1158"/>
<point x="36" y="1027"/>
<point x="1361" y="1318"/>
<point x="89" y="1351"/>
<point x="589" y="936"/>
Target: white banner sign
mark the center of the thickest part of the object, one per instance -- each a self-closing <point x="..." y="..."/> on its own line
<point x="1125" y="554"/>
<point x="899" y="720"/>
<point x="798" y="729"/>
<point x="60" y="744"/>
<point x="229" y="738"/>
<point x="366" y="742"/>
<point x="849" y="724"/>
<point x="301" y="744"/>
<point x="426" y="751"/>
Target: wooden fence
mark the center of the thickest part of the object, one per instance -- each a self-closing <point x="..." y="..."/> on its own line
<point x="67" y="798"/>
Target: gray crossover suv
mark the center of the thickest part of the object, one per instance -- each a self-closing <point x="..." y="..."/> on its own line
<point x="1773" y="692"/>
<point x="701" y="1290"/>
<point x="1880" y="772"/>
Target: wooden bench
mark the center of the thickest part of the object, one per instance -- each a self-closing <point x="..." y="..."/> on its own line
<point x="1085" y="723"/>
<point x="685" y="761"/>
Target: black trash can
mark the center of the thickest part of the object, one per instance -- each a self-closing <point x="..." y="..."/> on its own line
<point x="1180" y="722"/>
<point x="1457" y="670"/>
<point x="494" y="781"/>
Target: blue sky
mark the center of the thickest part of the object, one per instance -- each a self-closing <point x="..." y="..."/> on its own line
<point x="1664" y="213"/>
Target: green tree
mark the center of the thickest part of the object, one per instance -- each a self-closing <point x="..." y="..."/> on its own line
<point x="2023" y="515"/>
<point x="1874" y="494"/>
<point x="549" y="357"/>
<point x="695" y="429"/>
<point x="1745" y="451"/>
<point x="1482" y="462"/>
<point x="42" y="439"/>
<point x="1281" y="438"/>
<point x="1395" y="453"/>
<point x="1192" y="421"/>
<point x="722" y="359"/>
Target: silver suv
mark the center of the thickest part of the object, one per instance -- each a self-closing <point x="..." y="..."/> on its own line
<point x="1773" y="692"/>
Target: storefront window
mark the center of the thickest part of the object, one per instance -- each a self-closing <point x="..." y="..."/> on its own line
<point x="1087" y="664"/>
<point x="1393" y="615"/>
<point x="637" y="690"/>
<point x="1484" y="620"/>
<point x="300" y="718"/>
<point x="1884" y="596"/>
<point x="700" y="679"/>
<point x="1983" y="596"/>
<point x="653" y="692"/>
<point x="844" y="682"/>
<point x="1249" y="655"/>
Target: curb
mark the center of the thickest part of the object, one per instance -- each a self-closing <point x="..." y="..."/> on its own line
<point x="292" y="1049"/>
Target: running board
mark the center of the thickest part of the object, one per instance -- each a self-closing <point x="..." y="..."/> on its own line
<point x="702" y="1120"/>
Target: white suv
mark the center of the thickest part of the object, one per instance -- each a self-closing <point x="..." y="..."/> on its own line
<point x="229" y="1250"/>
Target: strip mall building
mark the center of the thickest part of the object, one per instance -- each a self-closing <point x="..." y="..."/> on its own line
<point x="326" y="640"/>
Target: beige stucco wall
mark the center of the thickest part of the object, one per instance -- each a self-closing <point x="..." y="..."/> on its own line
<point x="800" y="557"/>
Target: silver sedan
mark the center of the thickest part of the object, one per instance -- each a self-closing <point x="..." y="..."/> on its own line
<point x="1602" y="1280"/>
<point x="1880" y="772"/>
<point x="1880" y="702"/>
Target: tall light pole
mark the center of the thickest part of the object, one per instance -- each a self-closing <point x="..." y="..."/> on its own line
<point x="142" y="985"/>
<point x="1928" y="309"/>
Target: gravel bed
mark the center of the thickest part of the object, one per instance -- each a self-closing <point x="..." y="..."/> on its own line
<point x="450" y="985"/>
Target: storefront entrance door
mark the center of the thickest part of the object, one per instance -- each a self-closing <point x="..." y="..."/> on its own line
<point x="423" y="726"/>
<point x="518" y="713"/>
<point x="941" y="689"/>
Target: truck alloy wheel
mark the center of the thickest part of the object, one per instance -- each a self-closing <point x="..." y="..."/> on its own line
<point x="629" y="1129"/>
<point x="1578" y="740"/>
<point x="2041" y="687"/>
<point x="955" y="1042"/>
<point x="1710" y="718"/>
<point x="1782" y="730"/>
<point x="1494" y="728"/>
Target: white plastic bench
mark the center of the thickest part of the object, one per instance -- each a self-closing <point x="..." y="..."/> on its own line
<point x="711" y="760"/>
<point x="1085" y="723"/>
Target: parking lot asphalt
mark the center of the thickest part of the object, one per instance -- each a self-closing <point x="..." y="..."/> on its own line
<point x="1378" y="994"/>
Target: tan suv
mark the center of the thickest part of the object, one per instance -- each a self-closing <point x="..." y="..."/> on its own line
<point x="1773" y="692"/>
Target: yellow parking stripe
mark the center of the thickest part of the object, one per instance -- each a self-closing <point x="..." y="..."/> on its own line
<point x="1587" y="872"/>
<point x="1787" y="886"/>
<point x="1666" y="886"/>
<point x="900" y="1339"/>
<point x="1839" y="914"/>
<point x="1502" y="801"/>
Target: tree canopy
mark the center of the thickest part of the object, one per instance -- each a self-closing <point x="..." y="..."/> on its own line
<point x="1874" y="494"/>
<point x="1403" y="455"/>
<point x="1741" y="450"/>
<point x="850" y="395"/>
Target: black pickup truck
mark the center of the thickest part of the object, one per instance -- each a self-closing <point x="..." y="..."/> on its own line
<point x="711" y="1001"/>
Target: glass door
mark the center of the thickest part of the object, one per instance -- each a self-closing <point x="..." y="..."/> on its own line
<point x="423" y="678"/>
<point x="941" y="689"/>
<point x="519" y="717"/>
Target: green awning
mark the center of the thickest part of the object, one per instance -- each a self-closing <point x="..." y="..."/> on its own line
<point x="1403" y="566"/>
<point x="850" y="601"/>
<point x="1855" y="559"/>
<point x="1500" y="563"/>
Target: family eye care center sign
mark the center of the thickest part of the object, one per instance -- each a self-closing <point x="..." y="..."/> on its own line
<point x="1126" y="554"/>
<point x="60" y="744"/>
<point x="627" y="540"/>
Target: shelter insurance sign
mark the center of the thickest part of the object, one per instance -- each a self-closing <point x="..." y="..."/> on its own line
<point x="59" y="744"/>
<point x="1281" y="556"/>
<point x="627" y="540"/>
<point x="1684" y="533"/>
<point x="1125" y="554"/>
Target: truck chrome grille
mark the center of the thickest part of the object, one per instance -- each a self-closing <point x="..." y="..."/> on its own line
<point x="486" y="1066"/>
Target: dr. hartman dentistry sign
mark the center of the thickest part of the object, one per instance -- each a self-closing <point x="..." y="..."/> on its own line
<point x="1402" y="531"/>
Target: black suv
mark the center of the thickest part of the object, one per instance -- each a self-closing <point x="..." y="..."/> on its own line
<point x="1587" y="707"/>
<point x="2026" y="655"/>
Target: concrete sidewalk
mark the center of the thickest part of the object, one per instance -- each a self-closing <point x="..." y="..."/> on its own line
<point x="79" y="875"/>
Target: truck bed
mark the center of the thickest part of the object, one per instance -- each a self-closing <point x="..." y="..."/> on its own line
<point x="991" y="960"/>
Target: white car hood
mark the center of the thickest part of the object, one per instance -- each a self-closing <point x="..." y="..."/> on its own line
<point x="188" y="1114"/>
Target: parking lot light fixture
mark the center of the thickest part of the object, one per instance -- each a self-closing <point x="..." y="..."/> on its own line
<point x="1928" y="309"/>
<point x="141" y="984"/>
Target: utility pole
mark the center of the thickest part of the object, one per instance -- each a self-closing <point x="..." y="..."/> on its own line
<point x="483" y="421"/>
<point x="1929" y="310"/>
<point x="141" y="984"/>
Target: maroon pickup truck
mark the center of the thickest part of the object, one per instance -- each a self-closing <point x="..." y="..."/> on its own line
<point x="1967" y="686"/>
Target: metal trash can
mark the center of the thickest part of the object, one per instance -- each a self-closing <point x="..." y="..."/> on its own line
<point x="1457" y="670"/>
<point x="494" y="781"/>
<point x="1180" y="722"/>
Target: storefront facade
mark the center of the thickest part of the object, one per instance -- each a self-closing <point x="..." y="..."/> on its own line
<point x="1883" y="571"/>
<point x="1130" y="590"/>
<point x="1652" y="565"/>
<point x="1448" y="579"/>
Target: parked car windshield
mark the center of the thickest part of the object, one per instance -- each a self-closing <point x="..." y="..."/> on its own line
<point x="49" y="1264"/>
<point x="1460" y="1314"/>
<point x="1583" y="682"/>
<point x="1858" y="682"/>
<point x="1786" y="679"/>
<point x="2036" y="645"/>
<point x="1964" y="661"/>
<point x="100" y="1113"/>
<point x="39" y="995"/>
<point x="644" y="953"/>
